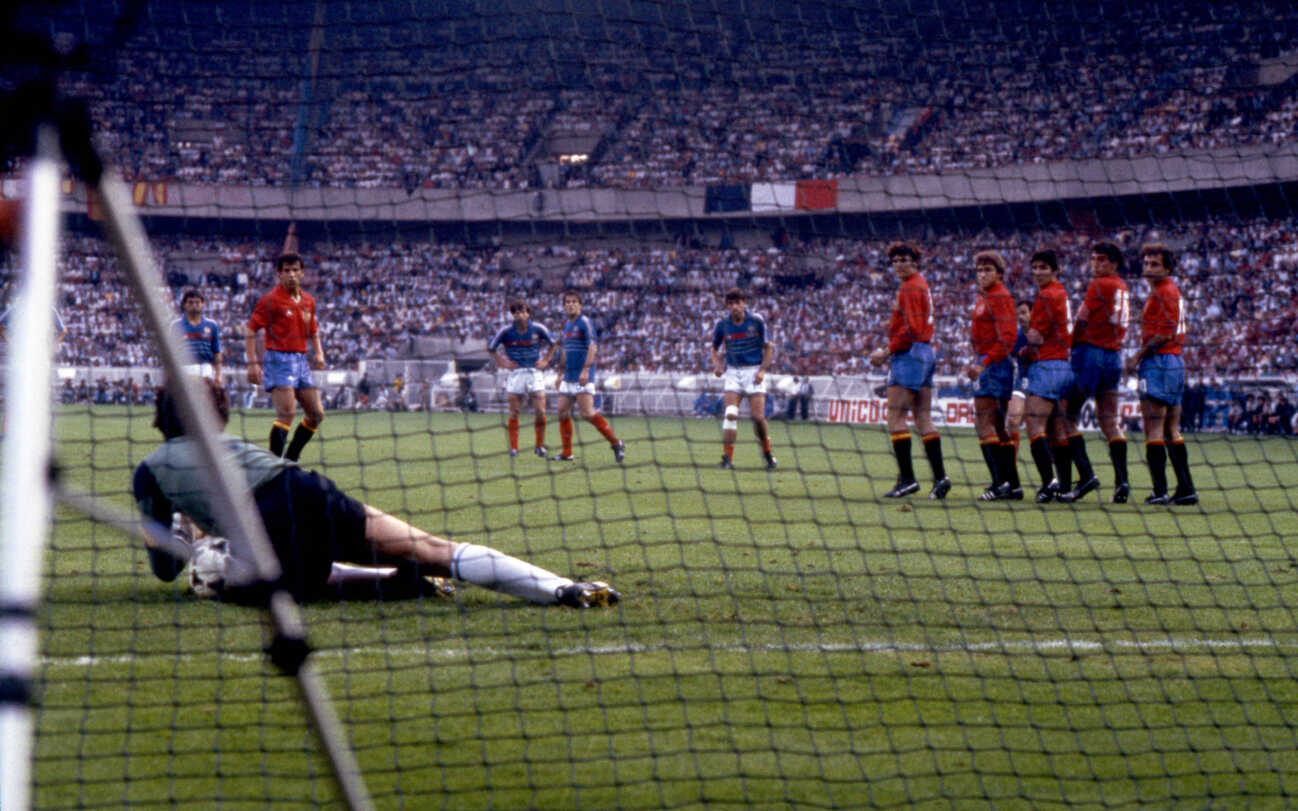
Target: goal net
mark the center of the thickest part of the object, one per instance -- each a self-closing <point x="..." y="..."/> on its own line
<point x="787" y="634"/>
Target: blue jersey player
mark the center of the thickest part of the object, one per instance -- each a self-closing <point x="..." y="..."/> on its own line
<point x="202" y="337"/>
<point x="1019" y="396"/>
<point x="580" y="348"/>
<point x="527" y="348"/>
<point x="747" y="356"/>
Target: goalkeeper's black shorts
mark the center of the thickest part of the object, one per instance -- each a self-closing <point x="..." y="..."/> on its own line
<point x="311" y="524"/>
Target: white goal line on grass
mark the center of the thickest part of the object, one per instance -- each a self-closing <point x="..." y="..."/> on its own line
<point x="1085" y="646"/>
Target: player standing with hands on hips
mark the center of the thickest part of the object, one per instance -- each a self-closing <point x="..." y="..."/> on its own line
<point x="524" y="341"/>
<point x="287" y="317"/>
<point x="744" y="364"/>
<point x="910" y="374"/>
<point x="580" y="347"/>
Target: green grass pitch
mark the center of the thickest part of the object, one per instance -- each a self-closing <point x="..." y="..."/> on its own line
<point x="786" y="639"/>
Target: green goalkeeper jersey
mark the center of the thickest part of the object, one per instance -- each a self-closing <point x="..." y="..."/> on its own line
<point x="172" y="478"/>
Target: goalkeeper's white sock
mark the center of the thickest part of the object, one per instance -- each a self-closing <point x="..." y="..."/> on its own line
<point x="492" y="569"/>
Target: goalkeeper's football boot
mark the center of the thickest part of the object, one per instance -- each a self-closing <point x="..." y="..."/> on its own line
<point x="1185" y="499"/>
<point x="903" y="488"/>
<point x="443" y="588"/>
<point x="1080" y="491"/>
<point x="1158" y="499"/>
<point x="940" y="488"/>
<point x="1121" y="493"/>
<point x="540" y="451"/>
<point x="587" y="595"/>
<point x="770" y="461"/>
<point x="619" y="452"/>
<point x="726" y="464"/>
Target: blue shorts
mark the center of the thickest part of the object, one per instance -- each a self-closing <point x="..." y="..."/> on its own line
<point x="1095" y="370"/>
<point x="913" y="369"/>
<point x="1050" y="379"/>
<point x="287" y="369"/>
<point x="1162" y="378"/>
<point x="996" y="381"/>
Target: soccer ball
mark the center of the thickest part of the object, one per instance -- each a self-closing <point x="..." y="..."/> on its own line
<point x="208" y="567"/>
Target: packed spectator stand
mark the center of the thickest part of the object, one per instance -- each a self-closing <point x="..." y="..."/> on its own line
<point x="828" y="301"/>
<point x="383" y="99"/>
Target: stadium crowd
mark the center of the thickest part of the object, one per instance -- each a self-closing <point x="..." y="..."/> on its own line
<point x="420" y="103"/>
<point x="828" y="301"/>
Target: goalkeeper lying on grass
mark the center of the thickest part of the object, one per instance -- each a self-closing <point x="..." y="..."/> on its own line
<point x="313" y="525"/>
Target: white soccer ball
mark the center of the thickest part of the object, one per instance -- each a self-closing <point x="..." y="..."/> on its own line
<point x="208" y="567"/>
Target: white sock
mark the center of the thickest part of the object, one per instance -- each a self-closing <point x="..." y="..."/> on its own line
<point x="486" y="567"/>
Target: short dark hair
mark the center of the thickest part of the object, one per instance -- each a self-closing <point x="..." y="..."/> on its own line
<point x="1048" y="256"/>
<point x="1112" y="251"/>
<point x="571" y="291"/>
<point x="1160" y="250"/>
<point x="900" y="248"/>
<point x="287" y="258"/>
<point x="735" y="294"/>
<point x="189" y="294"/>
<point x="166" y="410"/>
<point x="517" y="305"/>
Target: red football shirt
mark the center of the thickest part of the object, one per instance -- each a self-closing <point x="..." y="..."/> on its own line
<point x="1162" y="317"/>
<point x="288" y="322"/>
<point x="994" y="326"/>
<point x="912" y="318"/>
<point x="1107" y="313"/>
<point x="1053" y="318"/>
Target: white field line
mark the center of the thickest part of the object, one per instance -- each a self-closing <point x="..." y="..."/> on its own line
<point x="1178" y="644"/>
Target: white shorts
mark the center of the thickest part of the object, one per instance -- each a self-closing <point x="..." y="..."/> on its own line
<point x="572" y="389"/>
<point x="203" y="370"/>
<point x="524" y="381"/>
<point x="740" y="379"/>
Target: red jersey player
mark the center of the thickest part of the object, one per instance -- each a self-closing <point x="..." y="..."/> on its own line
<point x="910" y="374"/>
<point x="1050" y="377"/>
<point x="993" y="330"/>
<point x="1162" y="378"/>
<point x="286" y="315"/>
<point x="1097" y="368"/>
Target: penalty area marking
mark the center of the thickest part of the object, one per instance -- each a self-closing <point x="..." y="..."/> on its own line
<point x="1086" y="646"/>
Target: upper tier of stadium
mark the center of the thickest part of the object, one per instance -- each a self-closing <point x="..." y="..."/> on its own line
<point x="654" y="95"/>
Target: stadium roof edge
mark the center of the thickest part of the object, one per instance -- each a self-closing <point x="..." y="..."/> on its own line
<point x="1190" y="171"/>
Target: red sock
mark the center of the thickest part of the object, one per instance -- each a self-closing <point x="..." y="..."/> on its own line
<point x="540" y="430"/>
<point x="565" y="434"/>
<point x="513" y="433"/>
<point x="602" y="426"/>
<point x="729" y="450"/>
<point x="1014" y="440"/>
